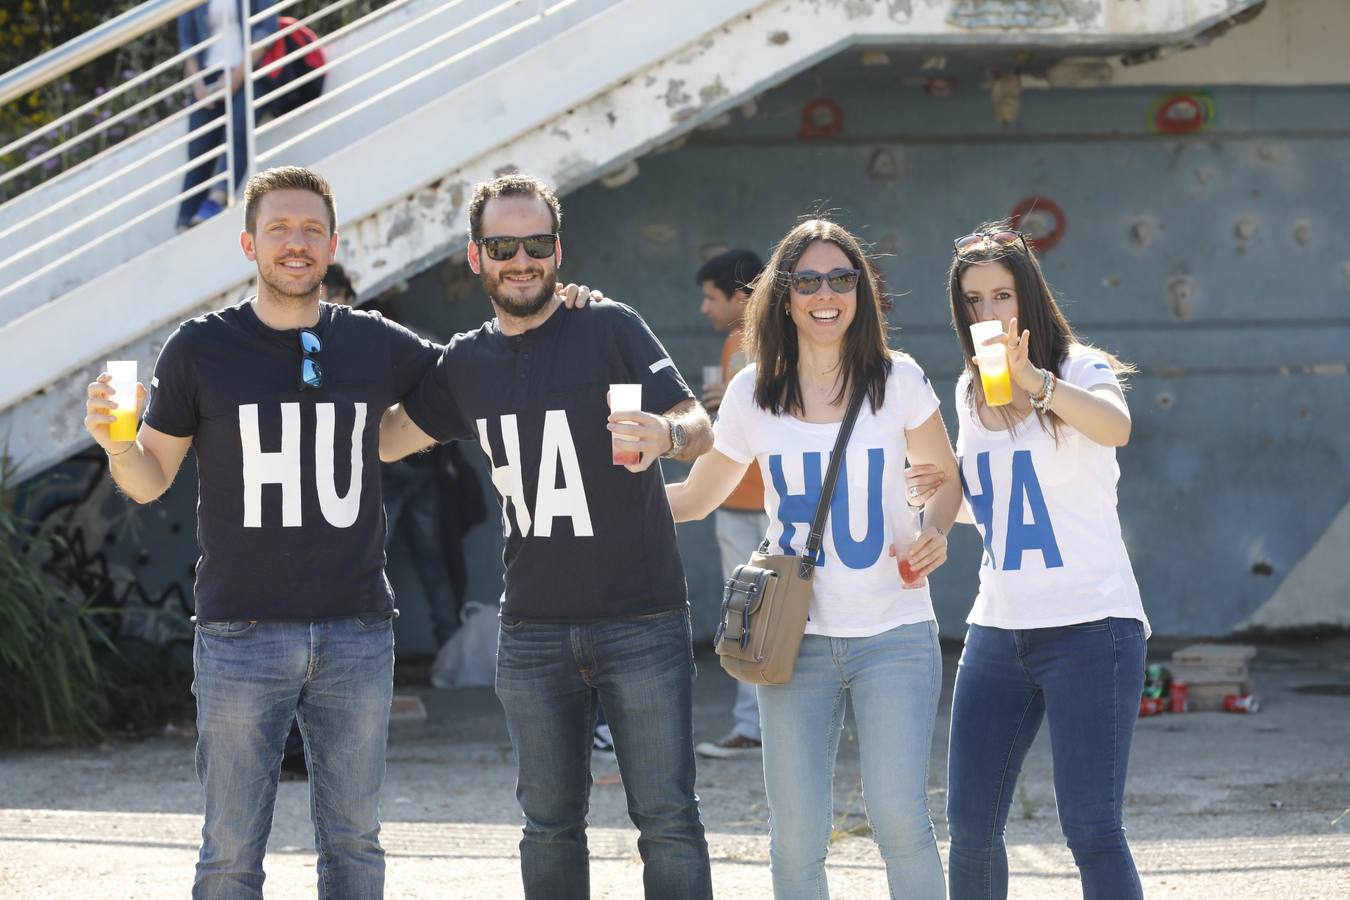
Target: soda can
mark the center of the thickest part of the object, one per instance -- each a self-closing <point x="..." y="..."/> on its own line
<point x="1178" y="698"/>
<point x="1241" y="703"/>
<point x="1150" y="706"/>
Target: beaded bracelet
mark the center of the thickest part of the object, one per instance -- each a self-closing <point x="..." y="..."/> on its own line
<point x="1041" y="402"/>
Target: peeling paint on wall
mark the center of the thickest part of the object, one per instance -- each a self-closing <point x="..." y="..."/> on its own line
<point x="711" y="93"/>
<point x="1142" y="231"/>
<point x="675" y="95"/>
<point x="1181" y="297"/>
<point x="857" y="9"/>
<point x="402" y="224"/>
<point x="900" y="10"/>
<point x="1010" y="14"/>
<point x="1245" y="230"/>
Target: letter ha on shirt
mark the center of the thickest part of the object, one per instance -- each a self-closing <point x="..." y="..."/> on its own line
<point x="551" y="502"/>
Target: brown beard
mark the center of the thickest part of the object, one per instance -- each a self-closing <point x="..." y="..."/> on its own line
<point x="521" y="309"/>
<point x="299" y="294"/>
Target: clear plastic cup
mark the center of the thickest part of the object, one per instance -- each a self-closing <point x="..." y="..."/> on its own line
<point x="123" y="372"/>
<point x="993" y="363"/>
<point x="624" y="398"/>
<point x="712" y="377"/>
<point x="905" y="527"/>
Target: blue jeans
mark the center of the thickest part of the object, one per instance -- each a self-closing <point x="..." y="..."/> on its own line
<point x="893" y="680"/>
<point x="1086" y="679"/>
<point x="550" y="679"/>
<point x="251" y="679"/>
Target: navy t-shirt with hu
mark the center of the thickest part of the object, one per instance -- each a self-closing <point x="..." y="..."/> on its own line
<point x="290" y="515"/>
<point x="586" y="540"/>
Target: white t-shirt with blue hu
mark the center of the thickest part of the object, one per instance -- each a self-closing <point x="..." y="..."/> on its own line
<point x="1053" y="551"/>
<point x="857" y="590"/>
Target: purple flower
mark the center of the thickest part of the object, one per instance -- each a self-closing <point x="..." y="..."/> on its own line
<point x="99" y="91"/>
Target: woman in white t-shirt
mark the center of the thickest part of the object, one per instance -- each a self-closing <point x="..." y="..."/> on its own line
<point x="1057" y="630"/>
<point x="816" y="329"/>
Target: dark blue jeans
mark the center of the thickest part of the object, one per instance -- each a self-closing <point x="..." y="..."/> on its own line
<point x="1086" y="680"/>
<point x="551" y="679"/>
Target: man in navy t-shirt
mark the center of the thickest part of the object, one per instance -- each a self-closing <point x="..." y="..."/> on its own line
<point x="596" y="609"/>
<point x="281" y="398"/>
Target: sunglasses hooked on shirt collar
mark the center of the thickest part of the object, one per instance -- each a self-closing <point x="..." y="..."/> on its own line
<point x="1003" y="237"/>
<point x="537" y="246"/>
<point x="311" y="373"/>
<point x="841" y="281"/>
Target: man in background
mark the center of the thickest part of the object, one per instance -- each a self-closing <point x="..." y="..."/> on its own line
<point x="740" y="523"/>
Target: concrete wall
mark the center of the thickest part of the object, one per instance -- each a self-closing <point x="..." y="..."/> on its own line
<point x="1215" y="262"/>
<point x="1289" y="43"/>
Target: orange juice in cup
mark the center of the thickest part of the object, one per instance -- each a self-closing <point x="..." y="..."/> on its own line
<point x="123" y="383"/>
<point x="993" y="363"/>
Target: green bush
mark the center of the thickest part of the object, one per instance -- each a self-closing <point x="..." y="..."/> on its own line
<point x="52" y="687"/>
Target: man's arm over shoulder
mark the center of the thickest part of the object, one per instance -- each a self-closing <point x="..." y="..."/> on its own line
<point x="400" y="436"/>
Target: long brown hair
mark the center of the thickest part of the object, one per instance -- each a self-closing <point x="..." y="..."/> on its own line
<point x="1037" y="311"/>
<point x="771" y="336"/>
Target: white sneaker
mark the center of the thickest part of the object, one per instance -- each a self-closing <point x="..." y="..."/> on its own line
<point x="602" y="742"/>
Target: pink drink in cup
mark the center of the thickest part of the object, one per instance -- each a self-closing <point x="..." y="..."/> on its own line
<point x="904" y="521"/>
<point x="624" y="398"/>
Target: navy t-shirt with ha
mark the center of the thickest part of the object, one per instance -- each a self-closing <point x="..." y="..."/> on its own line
<point x="586" y="540"/>
<point x="290" y="514"/>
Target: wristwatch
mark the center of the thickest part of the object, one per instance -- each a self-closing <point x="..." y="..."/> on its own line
<point x="677" y="439"/>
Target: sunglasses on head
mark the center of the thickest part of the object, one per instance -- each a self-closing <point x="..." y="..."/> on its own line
<point x="1004" y="237"/>
<point x="537" y="246"/>
<point x="311" y="373"/>
<point x="841" y="281"/>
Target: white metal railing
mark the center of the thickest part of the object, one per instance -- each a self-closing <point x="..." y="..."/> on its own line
<point x="117" y="193"/>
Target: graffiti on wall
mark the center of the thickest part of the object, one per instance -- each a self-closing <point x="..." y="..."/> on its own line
<point x="113" y="553"/>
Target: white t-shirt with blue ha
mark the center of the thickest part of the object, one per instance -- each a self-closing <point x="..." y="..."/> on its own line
<point x="857" y="590"/>
<point x="1053" y="550"/>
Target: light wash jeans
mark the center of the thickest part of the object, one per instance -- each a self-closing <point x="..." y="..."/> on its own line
<point x="893" y="680"/>
<point x="551" y="680"/>
<point x="336" y="677"/>
<point x="1086" y="680"/>
<point x="739" y="532"/>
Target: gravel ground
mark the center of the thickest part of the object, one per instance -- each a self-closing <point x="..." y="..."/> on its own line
<point x="1218" y="806"/>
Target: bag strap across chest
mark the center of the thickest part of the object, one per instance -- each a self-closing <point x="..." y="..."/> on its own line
<point x="817" y="534"/>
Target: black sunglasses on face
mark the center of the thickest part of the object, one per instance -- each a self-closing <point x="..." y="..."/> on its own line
<point x="537" y="246"/>
<point x="1004" y="238"/>
<point x="311" y="373"/>
<point x="841" y="281"/>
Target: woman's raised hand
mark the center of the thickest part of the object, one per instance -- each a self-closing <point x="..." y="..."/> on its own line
<point x="1024" y="373"/>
